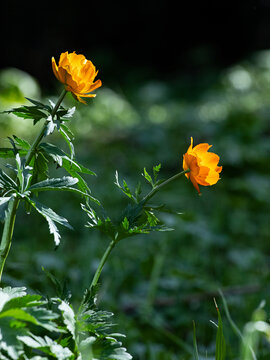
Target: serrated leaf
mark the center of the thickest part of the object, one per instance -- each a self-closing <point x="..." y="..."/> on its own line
<point x="8" y="293"/>
<point x="65" y="133"/>
<point x="54" y="152"/>
<point x="46" y="345"/>
<point x="151" y="218"/>
<point x="23" y="301"/>
<point x="54" y="184"/>
<point x="50" y="126"/>
<point x="82" y="184"/>
<point x="51" y="217"/>
<point x="45" y="318"/>
<point x="18" y="314"/>
<point x="28" y="112"/>
<point x="6" y="181"/>
<point x="125" y="189"/>
<point x="62" y="159"/>
<point x="63" y="113"/>
<point x="147" y="176"/>
<point x="102" y="223"/>
<point x="61" y="184"/>
<point x="68" y="317"/>
<point x="39" y="104"/>
<point x="22" y="143"/>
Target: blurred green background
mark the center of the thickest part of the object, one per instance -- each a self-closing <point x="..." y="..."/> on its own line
<point x="144" y="115"/>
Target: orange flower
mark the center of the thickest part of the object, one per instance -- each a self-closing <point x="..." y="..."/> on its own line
<point x="202" y="165"/>
<point x="77" y="74"/>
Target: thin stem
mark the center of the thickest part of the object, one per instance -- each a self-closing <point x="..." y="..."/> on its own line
<point x="101" y="264"/>
<point x="14" y="201"/>
<point x="8" y="232"/>
<point x="164" y="183"/>
<point x="38" y="139"/>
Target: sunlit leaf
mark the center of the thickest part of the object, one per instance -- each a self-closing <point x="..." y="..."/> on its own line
<point x="51" y="217"/>
<point x="3" y="207"/>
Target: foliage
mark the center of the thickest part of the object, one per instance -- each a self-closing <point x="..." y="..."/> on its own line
<point x="34" y="328"/>
<point x="220" y="240"/>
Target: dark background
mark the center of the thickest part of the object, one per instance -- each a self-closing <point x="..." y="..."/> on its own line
<point x="133" y="41"/>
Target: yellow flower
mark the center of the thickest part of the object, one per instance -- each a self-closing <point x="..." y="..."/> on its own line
<point x="202" y="165"/>
<point x="77" y="74"/>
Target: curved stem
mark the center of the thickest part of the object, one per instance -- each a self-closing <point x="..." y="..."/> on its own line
<point x="164" y="183"/>
<point x="14" y="201"/>
<point x="101" y="264"/>
<point x="8" y="232"/>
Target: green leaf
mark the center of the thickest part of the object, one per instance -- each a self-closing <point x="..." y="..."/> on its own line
<point x="125" y="223"/>
<point x="23" y="302"/>
<point x="126" y="190"/>
<point x="50" y="126"/>
<point x="68" y="317"/>
<point x="138" y="191"/>
<point x="61" y="184"/>
<point x="147" y="177"/>
<point x="60" y="287"/>
<point x="8" y="293"/>
<point x="151" y="218"/>
<point x="8" y="153"/>
<point x="54" y="184"/>
<point x="156" y="170"/>
<point x="39" y="104"/>
<point x="24" y="173"/>
<point x="40" y="167"/>
<point x="102" y="223"/>
<point x="22" y="143"/>
<point x="64" y="131"/>
<point x="6" y="182"/>
<point x="82" y="184"/>
<point x="3" y="207"/>
<point x="51" y="217"/>
<point x="95" y="337"/>
<point x="46" y="345"/>
<point x="54" y="152"/>
<point x="60" y="157"/>
<point x="45" y="318"/>
<point x="18" y="314"/>
<point x="28" y="112"/>
<point x="220" y="339"/>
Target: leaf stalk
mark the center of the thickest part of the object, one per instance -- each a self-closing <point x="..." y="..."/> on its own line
<point x="102" y="263"/>
<point x="160" y="186"/>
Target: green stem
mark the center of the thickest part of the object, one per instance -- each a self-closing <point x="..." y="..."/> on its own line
<point x="164" y="183"/>
<point x="8" y="232"/>
<point x="38" y="139"/>
<point x="101" y="264"/>
<point x="14" y="201"/>
<point x="113" y="242"/>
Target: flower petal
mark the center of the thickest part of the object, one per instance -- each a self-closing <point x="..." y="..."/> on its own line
<point x="194" y="182"/>
<point x="77" y="74"/>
